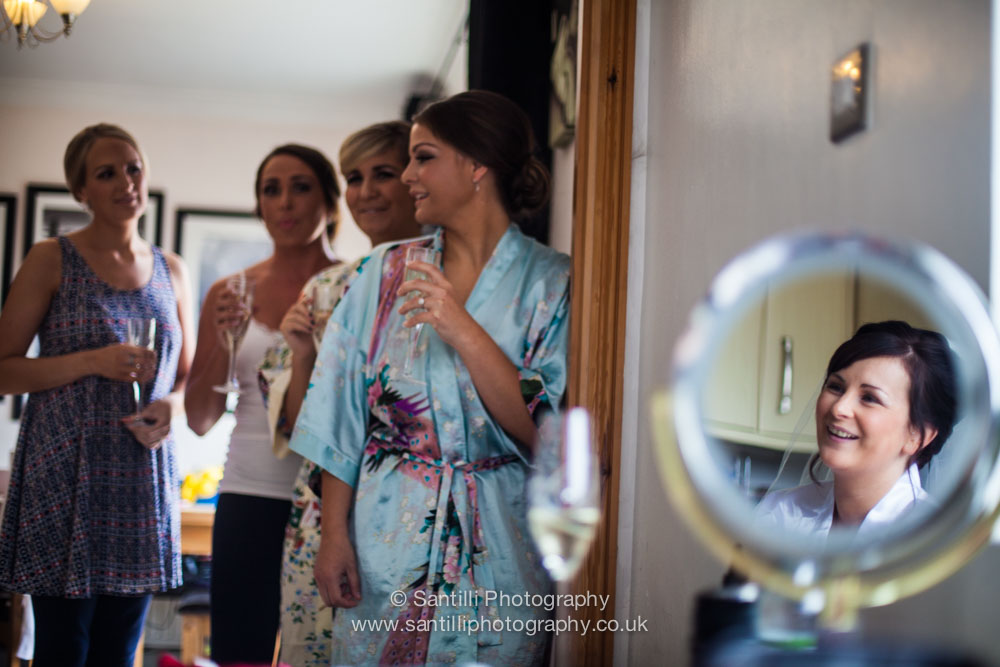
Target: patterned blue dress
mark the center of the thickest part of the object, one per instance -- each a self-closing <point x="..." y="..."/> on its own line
<point x="90" y="510"/>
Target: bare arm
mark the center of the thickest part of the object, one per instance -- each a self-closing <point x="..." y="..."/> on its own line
<point x="297" y="328"/>
<point x="23" y="313"/>
<point x="336" y="567"/>
<point x="203" y="404"/>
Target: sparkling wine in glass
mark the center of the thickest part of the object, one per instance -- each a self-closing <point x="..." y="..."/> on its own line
<point x="564" y="497"/>
<point x="324" y="296"/>
<point x="428" y="256"/>
<point x="141" y="332"/>
<point x="243" y="289"/>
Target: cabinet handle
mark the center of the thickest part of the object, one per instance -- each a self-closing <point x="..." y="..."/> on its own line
<point x="785" y="404"/>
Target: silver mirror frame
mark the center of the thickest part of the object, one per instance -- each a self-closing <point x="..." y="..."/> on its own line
<point x="849" y="577"/>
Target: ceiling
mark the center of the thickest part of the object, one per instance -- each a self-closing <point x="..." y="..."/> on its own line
<point x="369" y="54"/>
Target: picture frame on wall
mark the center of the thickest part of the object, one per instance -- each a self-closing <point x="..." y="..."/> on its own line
<point x="217" y="243"/>
<point x="51" y="210"/>
<point x="8" y="211"/>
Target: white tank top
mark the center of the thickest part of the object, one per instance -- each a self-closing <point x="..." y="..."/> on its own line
<point x="251" y="466"/>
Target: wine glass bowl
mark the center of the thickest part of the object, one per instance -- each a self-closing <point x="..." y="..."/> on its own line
<point x="324" y="298"/>
<point x="564" y="496"/>
<point x="242" y="289"/>
<point x="428" y="256"/>
<point x="141" y="332"/>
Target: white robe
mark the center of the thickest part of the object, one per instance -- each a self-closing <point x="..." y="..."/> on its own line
<point x="808" y="509"/>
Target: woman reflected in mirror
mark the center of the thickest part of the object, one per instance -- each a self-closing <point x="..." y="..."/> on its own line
<point x="886" y="408"/>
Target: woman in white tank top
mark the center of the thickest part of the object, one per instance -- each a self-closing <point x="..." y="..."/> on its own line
<point x="297" y="195"/>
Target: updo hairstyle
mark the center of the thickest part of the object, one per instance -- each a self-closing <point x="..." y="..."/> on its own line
<point x="495" y="132"/>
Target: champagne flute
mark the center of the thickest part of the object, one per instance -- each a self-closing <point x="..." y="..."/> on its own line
<point x="141" y="332"/>
<point x="564" y="497"/>
<point x="428" y="256"/>
<point x="324" y="298"/>
<point x="243" y="289"/>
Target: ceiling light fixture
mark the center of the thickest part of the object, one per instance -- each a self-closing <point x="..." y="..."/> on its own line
<point x="21" y="17"/>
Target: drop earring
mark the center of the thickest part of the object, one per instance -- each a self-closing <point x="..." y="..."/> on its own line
<point x="476" y="183"/>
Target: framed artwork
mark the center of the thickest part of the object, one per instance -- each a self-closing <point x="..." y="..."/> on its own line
<point x="218" y="243"/>
<point x="51" y="211"/>
<point x="8" y="209"/>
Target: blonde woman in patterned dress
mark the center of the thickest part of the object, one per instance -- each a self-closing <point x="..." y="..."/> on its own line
<point x="91" y="527"/>
<point x="372" y="161"/>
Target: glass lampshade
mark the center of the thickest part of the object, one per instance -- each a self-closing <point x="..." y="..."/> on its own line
<point x="24" y="11"/>
<point x="74" y="7"/>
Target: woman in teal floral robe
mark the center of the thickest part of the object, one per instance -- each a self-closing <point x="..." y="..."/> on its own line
<point x="424" y="528"/>
<point x="440" y="504"/>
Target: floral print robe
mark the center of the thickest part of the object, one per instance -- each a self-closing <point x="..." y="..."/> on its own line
<point x="306" y="624"/>
<point x="439" y="506"/>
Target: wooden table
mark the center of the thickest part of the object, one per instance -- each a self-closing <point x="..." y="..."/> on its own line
<point x="196" y="540"/>
<point x="196" y="529"/>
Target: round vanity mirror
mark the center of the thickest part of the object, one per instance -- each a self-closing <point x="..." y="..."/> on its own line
<point x="766" y="453"/>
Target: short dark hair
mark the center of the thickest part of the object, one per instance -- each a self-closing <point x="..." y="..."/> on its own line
<point x="321" y="167"/>
<point x="495" y="132"/>
<point x="928" y="361"/>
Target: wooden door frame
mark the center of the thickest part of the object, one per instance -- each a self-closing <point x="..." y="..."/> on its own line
<point x="601" y="198"/>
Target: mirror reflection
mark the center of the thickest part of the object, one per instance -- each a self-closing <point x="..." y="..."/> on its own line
<point x="829" y="404"/>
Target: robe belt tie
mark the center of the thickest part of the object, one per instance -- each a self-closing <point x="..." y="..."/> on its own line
<point x="482" y="572"/>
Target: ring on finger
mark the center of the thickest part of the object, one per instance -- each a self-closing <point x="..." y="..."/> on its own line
<point x="420" y="301"/>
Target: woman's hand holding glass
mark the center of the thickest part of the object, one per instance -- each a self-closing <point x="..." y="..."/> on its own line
<point x="436" y="305"/>
<point x="141" y="332"/>
<point x="233" y="310"/>
<point x="125" y="362"/>
<point x="298" y="327"/>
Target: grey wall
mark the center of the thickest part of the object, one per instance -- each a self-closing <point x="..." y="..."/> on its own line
<point x="732" y="141"/>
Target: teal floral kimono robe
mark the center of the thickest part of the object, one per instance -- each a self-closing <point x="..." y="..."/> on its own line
<point x="439" y="517"/>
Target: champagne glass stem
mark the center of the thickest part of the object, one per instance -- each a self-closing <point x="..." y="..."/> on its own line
<point x="411" y="349"/>
<point x="232" y="362"/>
<point x="135" y="392"/>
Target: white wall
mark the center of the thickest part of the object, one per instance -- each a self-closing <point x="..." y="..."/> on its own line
<point x="737" y="150"/>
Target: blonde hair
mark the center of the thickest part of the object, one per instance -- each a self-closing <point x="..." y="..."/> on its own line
<point x="393" y="135"/>
<point x="75" y="158"/>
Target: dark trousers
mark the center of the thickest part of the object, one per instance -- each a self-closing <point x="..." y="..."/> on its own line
<point x="247" y="540"/>
<point x="100" y="631"/>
